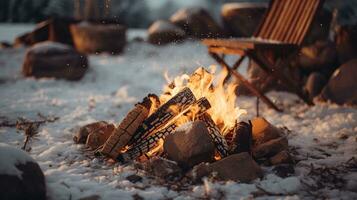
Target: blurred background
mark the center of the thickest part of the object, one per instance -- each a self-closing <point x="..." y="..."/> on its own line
<point x="132" y="13"/>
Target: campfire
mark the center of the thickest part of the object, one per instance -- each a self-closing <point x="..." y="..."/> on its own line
<point x="186" y="98"/>
<point x="195" y="120"/>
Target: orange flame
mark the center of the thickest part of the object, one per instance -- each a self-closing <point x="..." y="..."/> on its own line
<point x="202" y="83"/>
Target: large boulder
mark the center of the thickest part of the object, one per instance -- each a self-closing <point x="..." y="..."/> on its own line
<point x="341" y="88"/>
<point x="96" y="38"/>
<point x="163" y="32"/>
<point x="59" y="30"/>
<point x="242" y="19"/>
<point x="314" y="84"/>
<point x="238" y="167"/>
<point x="20" y="176"/>
<point x="263" y="131"/>
<point x="197" y="22"/>
<point x="190" y="145"/>
<point x="320" y="56"/>
<point x="346" y="43"/>
<point x="320" y="27"/>
<point x="50" y="59"/>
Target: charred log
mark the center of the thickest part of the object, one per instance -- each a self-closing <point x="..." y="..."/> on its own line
<point x="218" y="139"/>
<point x="163" y="115"/>
<point x="242" y="138"/>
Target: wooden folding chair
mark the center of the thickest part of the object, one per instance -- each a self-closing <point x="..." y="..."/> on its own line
<point x="281" y="33"/>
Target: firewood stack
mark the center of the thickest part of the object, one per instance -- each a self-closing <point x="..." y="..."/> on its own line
<point x="182" y="129"/>
<point x="141" y="131"/>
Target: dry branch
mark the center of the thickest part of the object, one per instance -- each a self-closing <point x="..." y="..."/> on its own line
<point x="163" y="115"/>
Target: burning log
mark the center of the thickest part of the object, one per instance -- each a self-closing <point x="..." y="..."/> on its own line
<point x="218" y="139"/>
<point x="242" y="138"/>
<point x="150" y="142"/>
<point x="146" y="145"/>
<point x="124" y="132"/>
<point x="163" y="115"/>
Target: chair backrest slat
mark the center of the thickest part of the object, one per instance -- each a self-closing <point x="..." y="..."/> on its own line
<point x="288" y="20"/>
<point x="294" y="20"/>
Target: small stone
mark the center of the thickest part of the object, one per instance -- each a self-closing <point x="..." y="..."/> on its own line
<point x="199" y="171"/>
<point x="190" y="146"/>
<point x="238" y="167"/>
<point x="163" y="168"/>
<point x="20" y="176"/>
<point x="81" y="136"/>
<point x="282" y="157"/>
<point x="284" y="170"/>
<point x="134" y="178"/>
<point x="99" y="136"/>
<point x="270" y="148"/>
<point x="263" y="131"/>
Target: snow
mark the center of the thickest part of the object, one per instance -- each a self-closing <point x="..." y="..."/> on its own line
<point x="44" y="47"/>
<point x="7" y="31"/>
<point x="233" y="6"/>
<point x="111" y="87"/>
<point x="10" y="157"/>
<point x="165" y="26"/>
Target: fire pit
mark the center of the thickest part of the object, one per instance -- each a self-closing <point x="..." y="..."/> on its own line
<point x="195" y="120"/>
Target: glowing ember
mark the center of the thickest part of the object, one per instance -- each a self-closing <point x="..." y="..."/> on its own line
<point x="202" y="83"/>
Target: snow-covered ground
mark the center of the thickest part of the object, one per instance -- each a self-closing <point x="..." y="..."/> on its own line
<point x="324" y="135"/>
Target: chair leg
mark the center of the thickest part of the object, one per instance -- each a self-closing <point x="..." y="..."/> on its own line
<point x="257" y="107"/>
<point x="234" y="67"/>
<point x="246" y="83"/>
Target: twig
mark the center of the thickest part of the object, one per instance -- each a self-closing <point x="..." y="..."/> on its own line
<point x="30" y="131"/>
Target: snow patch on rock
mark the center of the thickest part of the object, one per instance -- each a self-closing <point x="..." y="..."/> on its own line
<point x="10" y="157"/>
